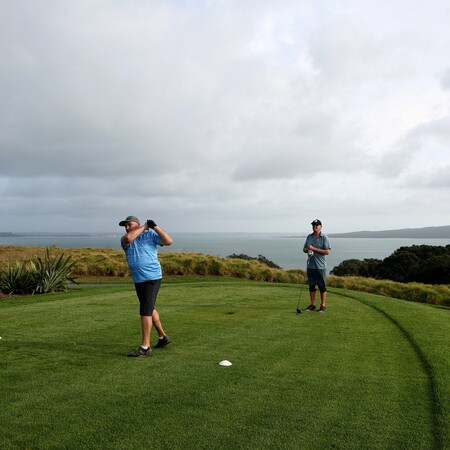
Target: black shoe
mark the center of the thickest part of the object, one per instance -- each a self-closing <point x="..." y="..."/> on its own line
<point x="322" y="309"/>
<point x="141" y="352"/>
<point x="163" y="342"/>
<point x="310" y="308"/>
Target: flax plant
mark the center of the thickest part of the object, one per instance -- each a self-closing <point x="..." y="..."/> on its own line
<point x="38" y="276"/>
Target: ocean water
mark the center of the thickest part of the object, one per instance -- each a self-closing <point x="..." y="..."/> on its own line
<point x="283" y="249"/>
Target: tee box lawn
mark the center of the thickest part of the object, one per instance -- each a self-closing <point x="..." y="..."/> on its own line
<point x="371" y="372"/>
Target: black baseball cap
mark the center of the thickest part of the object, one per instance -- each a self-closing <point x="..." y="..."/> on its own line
<point x="316" y="222"/>
<point x="129" y="219"/>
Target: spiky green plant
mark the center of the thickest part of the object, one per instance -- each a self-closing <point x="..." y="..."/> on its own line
<point x="43" y="275"/>
<point x="52" y="274"/>
<point x="17" y="279"/>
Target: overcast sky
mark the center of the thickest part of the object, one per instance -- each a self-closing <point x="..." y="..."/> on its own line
<point x="226" y="115"/>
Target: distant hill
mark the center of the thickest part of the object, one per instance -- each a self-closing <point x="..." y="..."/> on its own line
<point x="7" y="234"/>
<point x="406" y="233"/>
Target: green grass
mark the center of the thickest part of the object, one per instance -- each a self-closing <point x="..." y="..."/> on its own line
<point x="371" y="372"/>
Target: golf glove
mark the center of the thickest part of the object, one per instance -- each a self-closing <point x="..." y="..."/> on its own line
<point x="151" y="224"/>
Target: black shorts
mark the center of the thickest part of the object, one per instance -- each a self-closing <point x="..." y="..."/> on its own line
<point x="147" y="292"/>
<point x="317" y="276"/>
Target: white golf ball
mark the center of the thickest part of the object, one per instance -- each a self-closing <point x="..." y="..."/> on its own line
<point x="225" y="363"/>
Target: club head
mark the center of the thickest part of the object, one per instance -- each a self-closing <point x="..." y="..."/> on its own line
<point x="299" y="311"/>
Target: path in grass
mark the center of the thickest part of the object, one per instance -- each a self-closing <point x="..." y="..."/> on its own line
<point x="349" y="378"/>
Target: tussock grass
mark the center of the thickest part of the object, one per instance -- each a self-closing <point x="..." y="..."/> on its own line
<point x="414" y="292"/>
<point x="93" y="262"/>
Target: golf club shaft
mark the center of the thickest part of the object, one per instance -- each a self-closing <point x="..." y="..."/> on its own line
<point x="303" y="282"/>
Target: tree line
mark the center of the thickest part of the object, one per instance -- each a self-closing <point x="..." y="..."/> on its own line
<point x="427" y="264"/>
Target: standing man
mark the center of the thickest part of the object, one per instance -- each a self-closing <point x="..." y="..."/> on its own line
<point x="317" y="246"/>
<point x="140" y="246"/>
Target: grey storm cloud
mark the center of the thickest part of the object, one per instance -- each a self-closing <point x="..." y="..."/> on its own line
<point x="423" y="149"/>
<point x="445" y="79"/>
<point x="203" y="110"/>
<point x="124" y="102"/>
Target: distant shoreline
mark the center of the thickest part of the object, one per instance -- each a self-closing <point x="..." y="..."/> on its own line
<point x="441" y="232"/>
<point x="406" y="233"/>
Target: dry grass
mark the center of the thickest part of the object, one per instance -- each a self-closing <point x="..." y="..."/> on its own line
<point x="413" y="292"/>
<point x="105" y="262"/>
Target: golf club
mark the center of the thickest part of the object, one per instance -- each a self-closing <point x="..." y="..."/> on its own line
<point x="305" y="279"/>
<point x="299" y="311"/>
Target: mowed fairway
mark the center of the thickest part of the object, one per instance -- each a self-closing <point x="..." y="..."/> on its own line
<point x="369" y="373"/>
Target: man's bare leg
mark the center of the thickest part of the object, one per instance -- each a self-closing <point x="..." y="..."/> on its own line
<point x="146" y="324"/>
<point x="323" y="299"/>
<point x="157" y="323"/>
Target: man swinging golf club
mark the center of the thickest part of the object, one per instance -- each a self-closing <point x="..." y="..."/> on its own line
<point x="140" y="246"/>
<point x="317" y="243"/>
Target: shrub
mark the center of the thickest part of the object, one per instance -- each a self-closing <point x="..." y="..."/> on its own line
<point x="51" y="274"/>
<point x="40" y="276"/>
<point x="368" y="267"/>
<point x="397" y="266"/>
<point x="262" y="259"/>
<point x="16" y="279"/>
<point x="428" y="264"/>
